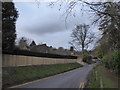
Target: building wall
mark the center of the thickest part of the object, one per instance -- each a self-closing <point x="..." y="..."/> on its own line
<point x="18" y="60"/>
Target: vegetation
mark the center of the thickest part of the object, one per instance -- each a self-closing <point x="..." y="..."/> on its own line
<point x="12" y="75"/>
<point x="99" y="79"/>
<point x="112" y="61"/>
<point x="108" y="48"/>
<point x="9" y="17"/>
<point x="87" y="58"/>
<point x="24" y="42"/>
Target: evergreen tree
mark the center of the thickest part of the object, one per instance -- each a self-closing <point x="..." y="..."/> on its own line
<point x="33" y="43"/>
<point x="9" y="17"/>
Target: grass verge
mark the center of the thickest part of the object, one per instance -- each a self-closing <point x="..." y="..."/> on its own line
<point x="99" y="79"/>
<point x="17" y="75"/>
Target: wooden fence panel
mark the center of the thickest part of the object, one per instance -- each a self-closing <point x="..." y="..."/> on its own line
<point x="18" y="60"/>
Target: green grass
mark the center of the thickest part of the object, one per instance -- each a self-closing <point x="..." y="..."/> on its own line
<point x="13" y="75"/>
<point x="95" y="78"/>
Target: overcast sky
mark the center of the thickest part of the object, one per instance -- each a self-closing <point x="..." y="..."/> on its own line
<point x="44" y="24"/>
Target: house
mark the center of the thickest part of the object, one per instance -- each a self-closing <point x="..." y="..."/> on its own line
<point x="43" y="48"/>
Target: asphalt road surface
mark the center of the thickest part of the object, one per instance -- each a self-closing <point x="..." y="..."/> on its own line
<point x="72" y="79"/>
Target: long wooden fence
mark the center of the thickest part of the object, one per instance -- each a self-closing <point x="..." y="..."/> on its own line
<point x="19" y="60"/>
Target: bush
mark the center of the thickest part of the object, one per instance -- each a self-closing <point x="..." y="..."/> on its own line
<point x="107" y="61"/>
<point x="99" y="54"/>
<point x="116" y="62"/>
<point x="112" y="61"/>
<point x="87" y="58"/>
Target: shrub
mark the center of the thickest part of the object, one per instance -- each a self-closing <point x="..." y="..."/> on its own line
<point x="106" y="60"/>
<point x="86" y="58"/>
<point x="112" y="61"/>
<point x="99" y="54"/>
<point x="116" y="61"/>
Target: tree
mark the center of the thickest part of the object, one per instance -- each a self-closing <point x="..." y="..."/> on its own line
<point x="9" y="17"/>
<point x="82" y="37"/>
<point x="108" y="19"/>
<point x="33" y="43"/>
<point x="24" y="43"/>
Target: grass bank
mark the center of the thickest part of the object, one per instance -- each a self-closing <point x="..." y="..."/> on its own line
<point x="16" y="75"/>
<point x="101" y="78"/>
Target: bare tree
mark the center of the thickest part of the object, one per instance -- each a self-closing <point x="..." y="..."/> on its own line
<point x="101" y="8"/>
<point x="108" y="19"/>
<point x="23" y="42"/>
<point x="82" y="37"/>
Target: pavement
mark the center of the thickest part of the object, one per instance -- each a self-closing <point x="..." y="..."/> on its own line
<point x="76" y="78"/>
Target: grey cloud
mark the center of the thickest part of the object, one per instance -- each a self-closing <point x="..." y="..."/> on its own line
<point x="48" y="21"/>
<point x="51" y="27"/>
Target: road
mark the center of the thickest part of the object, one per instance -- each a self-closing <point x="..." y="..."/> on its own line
<point x="71" y="79"/>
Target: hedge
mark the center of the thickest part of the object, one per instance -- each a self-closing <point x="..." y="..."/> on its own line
<point x="37" y="54"/>
<point x="112" y="61"/>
